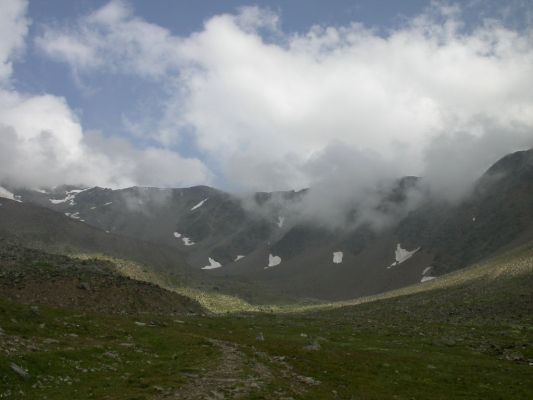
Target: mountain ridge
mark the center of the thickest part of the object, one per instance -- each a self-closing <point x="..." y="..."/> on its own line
<point x="262" y="237"/>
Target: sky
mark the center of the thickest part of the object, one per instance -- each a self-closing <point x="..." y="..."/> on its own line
<point x="266" y="95"/>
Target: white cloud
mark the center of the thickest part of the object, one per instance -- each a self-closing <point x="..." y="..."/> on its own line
<point x="114" y="39"/>
<point x="13" y="30"/>
<point x="42" y="143"/>
<point x="146" y="167"/>
<point x="263" y="103"/>
<point x="393" y="95"/>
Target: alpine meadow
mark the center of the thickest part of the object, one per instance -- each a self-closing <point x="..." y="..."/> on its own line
<point x="276" y="200"/>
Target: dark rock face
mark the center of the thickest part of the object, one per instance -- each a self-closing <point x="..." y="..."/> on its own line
<point x="179" y="230"/>
<point x="497" y="213"/>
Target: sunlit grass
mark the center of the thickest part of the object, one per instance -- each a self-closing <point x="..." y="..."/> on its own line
<point x="510" y="264"/>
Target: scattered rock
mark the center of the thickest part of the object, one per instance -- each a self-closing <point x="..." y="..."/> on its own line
<point x="260" y="337"/>
<point x="20" y="371"/>
<point x="190" y="375"/>
<point x="308" y="380"/>
<point x="84" y="286"/>
<point x="314" y="346"/>
<point x="140" y="323"/>
<point x="513" y="355"/>
<point x="448" y="341"/>
<point x="214" y="395"/>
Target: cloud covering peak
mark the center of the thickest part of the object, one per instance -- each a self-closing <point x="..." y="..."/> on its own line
<point x="270" y="109"/>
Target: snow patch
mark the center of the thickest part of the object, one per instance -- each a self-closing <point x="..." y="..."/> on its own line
<point x="54" y="201"/>
<point x="473" y="219"/>
<point x="8" y="195"/>
<point x="280" y="222"/>
<point x="239" y="257"/>
<point x="426" y="274"/>
<point x="108" y="203"/>
<point x="70" y="196"/>
<point x="337" y="257"/>
<point x="75" y="215"/>
<point x="273" y="261"/>
<point x="402" y="255"/>
<point x="200" y="204"/>
<point x="187" y="241"/>
<point x="212" y="264"/>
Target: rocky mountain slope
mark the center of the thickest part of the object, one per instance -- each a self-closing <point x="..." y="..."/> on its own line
<point x="44" y="229"/>
<point x="261" y="237"/>
<point x="497" y="215"/>
<point x="34" y="277"/>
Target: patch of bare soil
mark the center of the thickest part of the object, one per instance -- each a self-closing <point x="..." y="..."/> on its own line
<point x="240" y="376"/>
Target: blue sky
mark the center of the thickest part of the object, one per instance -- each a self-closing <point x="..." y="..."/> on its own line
<point x="100" y="104"/>
<point x="261" y="95"/>
<point x="107" y="98"/>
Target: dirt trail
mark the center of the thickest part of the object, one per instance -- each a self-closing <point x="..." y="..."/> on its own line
<point x="238" y="376"/>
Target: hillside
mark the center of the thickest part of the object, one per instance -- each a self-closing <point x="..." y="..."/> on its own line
<point x="36" y="227"/>
<point x="42" y="228"/>
<point x="466" y="337"/>
<point x="34" y="277"/>
<point x="497" y="215"/>
<point x="206" y="235"/>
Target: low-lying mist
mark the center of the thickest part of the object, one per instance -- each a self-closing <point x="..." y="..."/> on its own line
<point x="350" y="188"/>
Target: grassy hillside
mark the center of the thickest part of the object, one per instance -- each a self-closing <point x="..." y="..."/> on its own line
<point x="34" y="277"/>
<point x="464" y="336"/>
<point x="47" y="230"/>
<point x="479" y="283"/>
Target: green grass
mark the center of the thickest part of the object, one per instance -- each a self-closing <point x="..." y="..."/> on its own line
<point x="518" y="262"/>
<point x="358" y="358"/>
<point x="467" y="335"/>
<point x="214" y="301"/>
<point x="93" y="356"/>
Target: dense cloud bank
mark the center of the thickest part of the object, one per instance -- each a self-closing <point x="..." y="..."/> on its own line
<point x="42" y="142"/>
<point x="342" y="109"/>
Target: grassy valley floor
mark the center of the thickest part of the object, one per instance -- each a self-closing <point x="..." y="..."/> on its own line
<point x="471" y="338"/>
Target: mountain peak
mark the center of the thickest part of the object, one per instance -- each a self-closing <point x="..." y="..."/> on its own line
<point x="514" y="162"/>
